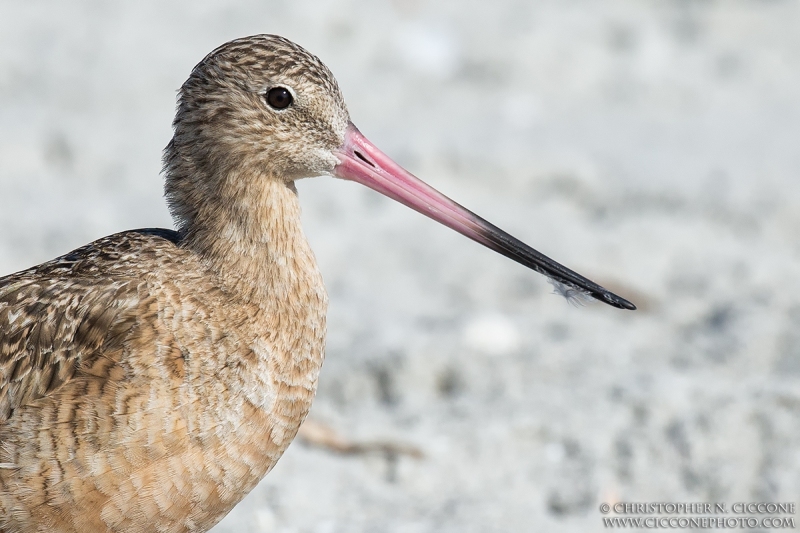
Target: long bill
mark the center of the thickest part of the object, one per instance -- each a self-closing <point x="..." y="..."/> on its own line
<point x="362" y="162"/>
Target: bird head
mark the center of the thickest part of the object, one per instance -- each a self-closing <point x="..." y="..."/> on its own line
<point x="263" y="108"/>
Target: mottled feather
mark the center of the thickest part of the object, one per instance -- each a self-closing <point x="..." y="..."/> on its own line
<point x="59" y="316"/>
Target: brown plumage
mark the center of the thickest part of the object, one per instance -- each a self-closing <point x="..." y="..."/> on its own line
<point x="150" y="379"/>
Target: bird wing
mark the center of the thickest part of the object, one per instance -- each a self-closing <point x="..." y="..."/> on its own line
<point x="57" y="317"/>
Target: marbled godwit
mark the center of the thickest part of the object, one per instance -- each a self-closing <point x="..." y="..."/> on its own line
<point x="150" y="379"/>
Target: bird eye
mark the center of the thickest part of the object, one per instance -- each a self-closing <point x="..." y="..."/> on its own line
<point x="279" y="98"/>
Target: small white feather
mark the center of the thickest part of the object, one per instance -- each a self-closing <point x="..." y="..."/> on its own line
<point x="576" y="297"/>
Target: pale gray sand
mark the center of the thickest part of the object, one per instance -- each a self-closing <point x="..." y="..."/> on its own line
<point x="650" y="145"/>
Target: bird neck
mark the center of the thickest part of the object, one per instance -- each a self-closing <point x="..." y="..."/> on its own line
<point x="253" y="240"/>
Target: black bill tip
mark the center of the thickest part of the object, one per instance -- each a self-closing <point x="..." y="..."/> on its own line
<point x="617" y="301"/>
<point x="498" y="240"/>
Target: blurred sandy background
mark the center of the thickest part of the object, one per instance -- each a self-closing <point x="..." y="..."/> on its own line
<point x="651" y="145"/>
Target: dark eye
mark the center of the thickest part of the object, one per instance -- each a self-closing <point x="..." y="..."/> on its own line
<point x="279" y="98"/>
